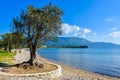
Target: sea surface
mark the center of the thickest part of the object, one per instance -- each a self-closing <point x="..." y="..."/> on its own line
<point x="102" y="61"/>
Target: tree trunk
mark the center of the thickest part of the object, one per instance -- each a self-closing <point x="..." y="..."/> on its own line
<point x="10" y="48"/>
<point x="32" y="56"/>
<point x="5" y="48"/>
<point x="32" y="60"/>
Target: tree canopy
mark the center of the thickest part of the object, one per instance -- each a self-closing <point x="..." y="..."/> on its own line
<point x="38" y="25"/>
<point x="11" y="40"/>
<point x="7" y="41"/>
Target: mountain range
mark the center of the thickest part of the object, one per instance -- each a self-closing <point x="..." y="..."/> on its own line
<point x="74" y="42"/>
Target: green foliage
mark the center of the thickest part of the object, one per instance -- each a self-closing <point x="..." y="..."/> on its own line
<point x="38" y="25"/>
<point x="7" y="41"/>
<point x="1" y="43"/>
<point x="18" y="40"/>
<point x="12" y="40"/>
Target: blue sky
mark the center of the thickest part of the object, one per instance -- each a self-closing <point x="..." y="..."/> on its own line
<point x="95" y="20"/>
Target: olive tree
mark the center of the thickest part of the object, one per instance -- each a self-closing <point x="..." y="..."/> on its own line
<point x="18" y="40"/>
<point x="7" y="41"/>
<point x="11" y="40"/>
<point x="38" y="25"/>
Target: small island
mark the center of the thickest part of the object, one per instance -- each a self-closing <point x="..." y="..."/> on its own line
<point x="76" y="47"/>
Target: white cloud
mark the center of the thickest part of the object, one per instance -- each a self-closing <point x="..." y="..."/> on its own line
<point x="115" y="28"/>
<point x="109" y="19"/>
<point x="67" y="29"/>
<point x="115" y="34"/>
<point x="85" y="32"/>
<point x="74" y="30"/>
<point x="94" y="34"/>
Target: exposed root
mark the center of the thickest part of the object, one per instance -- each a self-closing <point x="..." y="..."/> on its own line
<point x="27" y="64"/>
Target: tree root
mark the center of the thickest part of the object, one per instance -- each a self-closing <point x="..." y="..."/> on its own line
<point x="26" y="65"/>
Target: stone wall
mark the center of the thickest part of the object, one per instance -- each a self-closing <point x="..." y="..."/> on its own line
<point x="51" y="74"/>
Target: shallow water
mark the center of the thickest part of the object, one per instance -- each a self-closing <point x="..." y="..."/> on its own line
<point x="103" y="61"/>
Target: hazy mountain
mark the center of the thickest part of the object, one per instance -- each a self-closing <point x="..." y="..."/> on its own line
<point x="74" y="41"/>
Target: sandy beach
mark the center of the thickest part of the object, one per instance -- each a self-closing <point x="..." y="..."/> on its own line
<point x="68" y="73"/>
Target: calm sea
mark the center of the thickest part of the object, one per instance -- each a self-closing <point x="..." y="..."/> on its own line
<point x="102" y="61"/>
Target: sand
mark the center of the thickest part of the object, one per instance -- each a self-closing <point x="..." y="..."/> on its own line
<point x="68" y="73"/>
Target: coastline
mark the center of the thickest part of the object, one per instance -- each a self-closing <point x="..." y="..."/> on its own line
<point x="68" y="73"/>
<point x="79" y="73"/>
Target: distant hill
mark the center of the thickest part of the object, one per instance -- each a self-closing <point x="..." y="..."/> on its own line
<point x="77" y="42"/>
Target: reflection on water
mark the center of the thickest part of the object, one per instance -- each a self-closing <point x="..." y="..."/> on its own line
<point x="104" y="61"/>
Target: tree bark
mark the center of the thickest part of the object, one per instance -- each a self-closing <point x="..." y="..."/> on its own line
<point x="5" y="48"/>
<point x="32" y="47"/>
<point x="32" y="55"/>
<point x="10" y="48"/>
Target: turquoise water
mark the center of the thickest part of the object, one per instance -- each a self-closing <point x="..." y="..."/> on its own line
<point x="102" y="61"/>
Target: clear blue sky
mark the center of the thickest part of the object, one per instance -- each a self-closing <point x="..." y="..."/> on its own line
<point x="95" y="20"/>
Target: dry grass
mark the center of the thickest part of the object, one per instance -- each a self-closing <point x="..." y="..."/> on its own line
<point x="20" y="70"/>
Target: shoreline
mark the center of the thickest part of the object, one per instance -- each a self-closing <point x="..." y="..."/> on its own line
<point x="81" y="73"/>
<point x="68" y="72"/>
